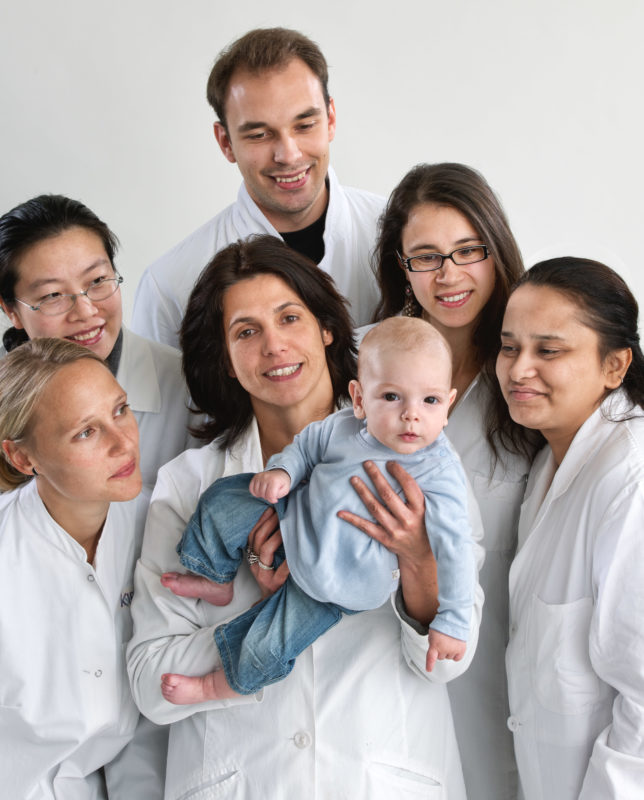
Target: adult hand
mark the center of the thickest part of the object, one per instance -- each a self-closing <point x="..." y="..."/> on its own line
<point x="263" y="541"/>
<point x="400" y="527"/>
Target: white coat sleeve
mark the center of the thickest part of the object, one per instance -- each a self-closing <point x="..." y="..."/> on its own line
<point x="616" y="767"/>
<point x="171" y="633"/>
<point x="414" y="641"/>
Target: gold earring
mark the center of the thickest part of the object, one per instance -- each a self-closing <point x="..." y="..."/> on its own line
<point x="410" y="307"/>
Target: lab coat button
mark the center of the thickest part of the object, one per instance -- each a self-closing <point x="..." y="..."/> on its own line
<point x="98" y="673"/>
<point x="302" y="739"/>
<point x="91" y="578"/>
<point x="513" y="724"/>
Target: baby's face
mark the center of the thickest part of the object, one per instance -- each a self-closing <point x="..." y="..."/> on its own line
<point x="405" y="397"/>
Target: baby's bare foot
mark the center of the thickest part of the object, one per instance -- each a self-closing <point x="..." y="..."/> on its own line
<point x="186" y="585"/>
<point x="184" y="690"/>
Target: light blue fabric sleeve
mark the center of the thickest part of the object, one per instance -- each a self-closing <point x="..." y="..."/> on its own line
<point x="305" y="451"/>
<point x="450" y="535"/>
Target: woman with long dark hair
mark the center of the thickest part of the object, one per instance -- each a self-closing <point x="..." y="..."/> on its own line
<point x="571" y="367"/>
<point x="268" y="348"/>
<point x="446" y="253"/>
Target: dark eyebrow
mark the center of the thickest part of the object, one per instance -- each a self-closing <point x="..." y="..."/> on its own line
<point x="43" y="281"/>
<point x="252" y="125"/>
<point x="457" y="243"/>
<point x="538" y="337"/>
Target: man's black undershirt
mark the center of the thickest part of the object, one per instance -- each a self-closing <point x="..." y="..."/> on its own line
<point x="309" y="241"/>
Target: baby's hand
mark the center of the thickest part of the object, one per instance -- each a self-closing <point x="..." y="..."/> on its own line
<point x="270" y="485"/>
<point x="443" y="646"/>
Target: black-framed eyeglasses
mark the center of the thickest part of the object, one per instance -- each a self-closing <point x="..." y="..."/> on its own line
<point x="429" y="262"/>
<point x="58" y="303"/>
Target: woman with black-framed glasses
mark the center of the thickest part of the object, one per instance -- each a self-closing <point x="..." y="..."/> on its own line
<point x="58" y="279"/>
<point x="445" y="252"/>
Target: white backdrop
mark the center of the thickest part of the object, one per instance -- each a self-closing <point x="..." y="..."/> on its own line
<point x="105" y="101"/>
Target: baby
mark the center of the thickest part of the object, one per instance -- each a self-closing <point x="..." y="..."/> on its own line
<point x="400" y="405"/>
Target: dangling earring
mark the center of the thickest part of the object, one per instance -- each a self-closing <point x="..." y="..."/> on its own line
<point x="410" y="307"/>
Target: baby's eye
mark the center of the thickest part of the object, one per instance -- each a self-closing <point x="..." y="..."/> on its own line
<point x="431" y="400"/>
<point x="390" y="397"/>
<point x="85" y="434"/>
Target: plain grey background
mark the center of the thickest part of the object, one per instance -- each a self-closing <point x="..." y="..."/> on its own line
<point x="105" y="101"/>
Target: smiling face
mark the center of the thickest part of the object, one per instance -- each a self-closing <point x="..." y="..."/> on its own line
<point x="68" y="263"/>
<point x="453" y="296"/>
<point x="83" y="440"/>
<point x="278" y="133"/>
<point x="276" y="348"/>
<point x="549" y="366"/>
<point x="404" y="395"/>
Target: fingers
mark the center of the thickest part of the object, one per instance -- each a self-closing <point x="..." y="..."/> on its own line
<point x="411" y="490"/>
<point x="366" y="526"/>
<point x="432" y="656"/>
<point x="263" y="529"/>
<point x="371" y="503"/>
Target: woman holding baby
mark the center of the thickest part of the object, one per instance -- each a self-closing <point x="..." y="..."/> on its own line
<point x="267" y="349"/>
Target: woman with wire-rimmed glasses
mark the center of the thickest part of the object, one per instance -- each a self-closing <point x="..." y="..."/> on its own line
<point x="57" y="279"/>
<point x="446" y="253"/>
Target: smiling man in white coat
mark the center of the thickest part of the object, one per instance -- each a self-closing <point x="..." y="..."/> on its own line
<point x="275" y="120"/>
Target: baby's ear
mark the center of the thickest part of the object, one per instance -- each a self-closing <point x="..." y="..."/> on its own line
<point x="355" y="391"/>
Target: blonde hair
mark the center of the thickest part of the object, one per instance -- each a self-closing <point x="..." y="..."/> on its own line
<point x="406" y="334"/>
<point x="24" y="374"/>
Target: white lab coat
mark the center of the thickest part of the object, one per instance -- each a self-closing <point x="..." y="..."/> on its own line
<point x="65" y="702"/>
<point x="357" y="718"/>
<point x="349" y="238"/>
<point x="151" y="375"/>
<point x="576" y="654"/>
<point x="479" y="697"/>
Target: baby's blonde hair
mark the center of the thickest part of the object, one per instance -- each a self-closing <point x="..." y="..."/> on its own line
<point x="24" y="375"/>
<point x="406" y="334"/>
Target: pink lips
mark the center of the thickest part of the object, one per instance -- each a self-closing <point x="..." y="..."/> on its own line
<point x="127" y="470"/>
<point x="87" y="342"/>
<point x="283" y="372"/>
<point x="453" y="303"/>
<point x="409" y="437"/>
<point x="289" y="184"/>
<point x="524" y="393"/>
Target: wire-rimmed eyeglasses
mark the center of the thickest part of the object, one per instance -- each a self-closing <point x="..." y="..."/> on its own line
<point x="429" y="262"/>
<point x="58" y="303"/>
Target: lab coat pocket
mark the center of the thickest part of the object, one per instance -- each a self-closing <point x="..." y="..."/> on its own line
<point x="401" y="779"/>
<point x="562" y="675"/>
<point x="223" y="783"/>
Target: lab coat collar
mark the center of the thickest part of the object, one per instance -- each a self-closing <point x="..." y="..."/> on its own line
<point x="246" y="454"/>
<point x="137" y="373"/>
<point x="588" y="438"/>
